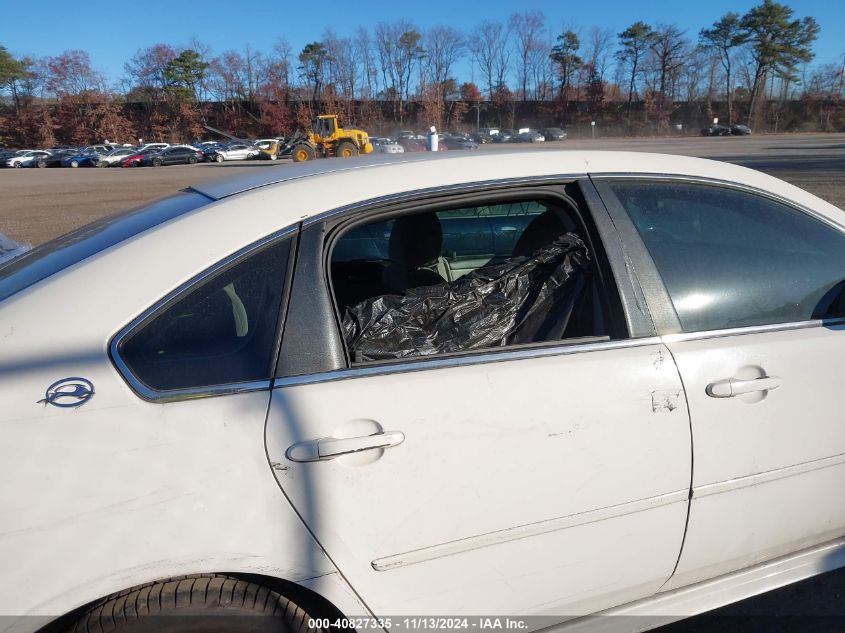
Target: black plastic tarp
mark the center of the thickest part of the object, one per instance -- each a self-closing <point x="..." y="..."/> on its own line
<point x="521" y="300"/>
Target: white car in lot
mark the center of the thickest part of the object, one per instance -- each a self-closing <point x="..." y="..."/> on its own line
<point x="23" y="159"/>
<point x="235" y="151"/>
<point x="556" y="385"/>
<point x="386" y="146"/>
<point x="115" y="156"/>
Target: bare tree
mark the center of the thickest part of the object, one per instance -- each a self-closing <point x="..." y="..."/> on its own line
<point x="488" y="43"/>
<point x="399" y="50"/>
<point x="598" y="49"/>
<point x="444" y="47"/>
<point x="364" y="55"/>
<point x="528" y="28"/>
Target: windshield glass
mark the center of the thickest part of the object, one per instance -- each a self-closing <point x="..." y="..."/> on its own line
<point x="63" y="252"/>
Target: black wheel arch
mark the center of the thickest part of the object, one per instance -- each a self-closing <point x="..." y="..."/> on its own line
<point x="312" y="602"/>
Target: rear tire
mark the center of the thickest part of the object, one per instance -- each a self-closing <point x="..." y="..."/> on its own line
<point x="303" y="153"/>
<point x="346" y="149"/>
<point x="205" y="604"/>
<point x="218" y="158"/>
<point x="74" y="163"/>
<point x="192" y="160"/>
<point x="41" y="164"/>
<point x="156" y="162"/>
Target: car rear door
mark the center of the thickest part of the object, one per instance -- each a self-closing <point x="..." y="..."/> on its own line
<point x="551" y="479"/>
<point x="753" y="287"/>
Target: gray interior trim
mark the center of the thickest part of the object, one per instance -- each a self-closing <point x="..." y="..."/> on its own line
<point x="755" y="329"/>
<point x="481" y="358"/>
<point x="153" y="395"/>
<point x="660" y="306"/>
<point x="634" y="305"/>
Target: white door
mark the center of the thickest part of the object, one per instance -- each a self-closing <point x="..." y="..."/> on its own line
<point x="537" y="485"/>
<point x="548" y="480"/>
<point x="755" y="285"/>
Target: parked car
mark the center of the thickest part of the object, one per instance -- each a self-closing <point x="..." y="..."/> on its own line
<point x="86" y="158"/>
<point x="208" y="150"/>
<point x="151" y="147"/>
<point x="740" y="130"/>
<point x="716" y="130"/>
<point x="456" y="142"/>
<point x="531" y="136"/>
<point x="481" y="137"/>
<point x="139" y="159"/>
<point x="386" y="146"/>
<point x="553" y="134"/>
<point x="504" y="136"/>
<point x="176" y="155"/>
<point x="460" y="385"/>
<point x="234" y="151"/>
<point x="24" y="158"/>
<point x="412" y="145"/>
<point x="54" y="159"/>
<point x="113" y="158"/>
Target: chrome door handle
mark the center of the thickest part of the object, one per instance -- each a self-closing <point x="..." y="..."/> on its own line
<point x="331" y="447"/>
<point x="733" y="387"/>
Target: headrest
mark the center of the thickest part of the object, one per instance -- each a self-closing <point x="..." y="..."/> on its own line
<point x="416" y="239"/>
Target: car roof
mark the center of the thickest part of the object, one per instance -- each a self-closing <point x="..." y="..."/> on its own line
<point x="332" y="183"/>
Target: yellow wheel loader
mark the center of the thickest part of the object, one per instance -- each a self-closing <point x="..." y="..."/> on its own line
<point x="327" y="139"/>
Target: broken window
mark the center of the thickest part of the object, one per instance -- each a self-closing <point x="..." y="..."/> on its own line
<point x="465" y="278"/>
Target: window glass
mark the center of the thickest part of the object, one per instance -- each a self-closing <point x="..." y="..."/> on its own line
<point x="731" y="259"/>
<point x="221" y="332"/>
<point x="465" y="278"/>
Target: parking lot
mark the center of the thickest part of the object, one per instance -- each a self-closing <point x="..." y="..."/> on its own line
<point x="39" y="204"/>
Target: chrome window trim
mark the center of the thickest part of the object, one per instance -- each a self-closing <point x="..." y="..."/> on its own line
<point x="707" y="180"/>
<point x="752" y="329"/>
<point x="484" y="357"/>
<point x="472" y="187"/>
<point x="191" y="393"/>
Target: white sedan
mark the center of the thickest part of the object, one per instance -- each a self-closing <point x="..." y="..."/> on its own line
<point x="23" y="159"/>
<point x="386" y="146"/>
<point x="236" y="151"/>
<point x="114" y="157"/>
<point x="562" y="384"/>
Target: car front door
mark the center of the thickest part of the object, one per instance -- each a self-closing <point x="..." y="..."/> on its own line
<point x="548" y="479"/>
<point x="756" y="285"/>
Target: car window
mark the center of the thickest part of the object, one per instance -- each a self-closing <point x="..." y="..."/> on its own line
<point x="221" y="332"/>
<point x="731" y="258"/>
<point x="466" y="278"/>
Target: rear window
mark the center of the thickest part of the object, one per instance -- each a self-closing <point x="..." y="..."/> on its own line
<point x="70" y="249"/>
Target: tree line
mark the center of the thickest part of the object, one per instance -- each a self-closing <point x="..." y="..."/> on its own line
<point x="752" y="68"/>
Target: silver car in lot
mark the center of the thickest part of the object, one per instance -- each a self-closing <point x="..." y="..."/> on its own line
<point x="234" y="151"/>
<point x="537" y="384"/>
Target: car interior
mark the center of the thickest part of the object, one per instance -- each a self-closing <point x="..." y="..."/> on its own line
<point x="434" y="248"/>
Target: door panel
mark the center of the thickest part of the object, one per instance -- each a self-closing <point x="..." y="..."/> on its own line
<point x="555" y="483"/>
<point x="757" y="283"/>
<point x="769" y="465"/>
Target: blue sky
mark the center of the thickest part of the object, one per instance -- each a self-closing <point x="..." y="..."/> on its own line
<point x="113" y="30"/>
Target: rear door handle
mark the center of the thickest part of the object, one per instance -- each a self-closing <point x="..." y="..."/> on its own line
<point x="332" y="447"/>
<point x="733" y="387"/>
